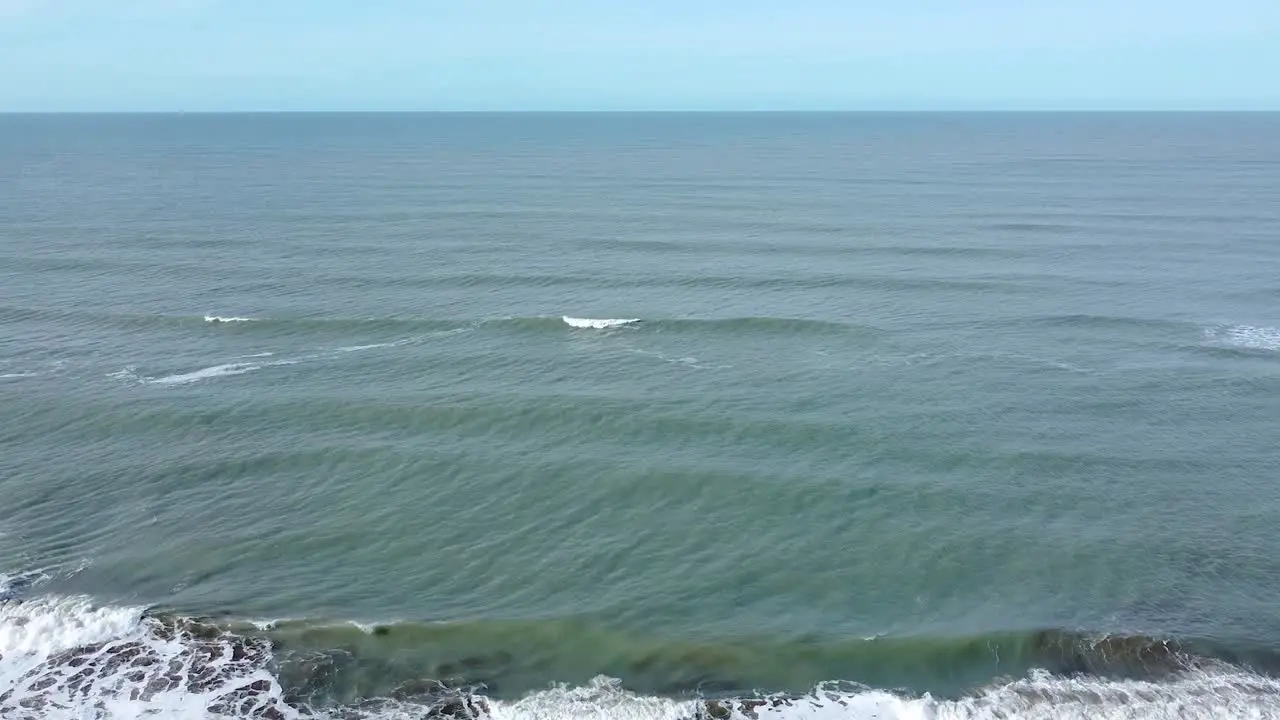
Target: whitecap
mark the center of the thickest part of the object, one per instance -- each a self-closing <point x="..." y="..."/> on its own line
<point x="227" y="319"/>
<point x="1246" y="337"/>
<point x="598" y="323"/>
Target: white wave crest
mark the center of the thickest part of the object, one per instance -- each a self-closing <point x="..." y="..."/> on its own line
<point x="598" y="323"/>
<point x="65" y="658"/>
<point x="227" y="319"/>
<point x="1246" y="336"/>
<point x="39" y="628"/>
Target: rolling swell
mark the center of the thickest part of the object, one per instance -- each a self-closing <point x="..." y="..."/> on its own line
<point x="511" y="658"/>
<point x="552" y="323"/>
<point x="64" y="657"/>
<point x="268" y="324"/>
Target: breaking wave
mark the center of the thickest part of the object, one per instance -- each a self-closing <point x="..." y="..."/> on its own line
<point x="322" y="326"/>
<point x="598" y="323"/>
<point x="65" y="657"/>
<point x="222" y="319"/>
<point x="1245" y="337"/>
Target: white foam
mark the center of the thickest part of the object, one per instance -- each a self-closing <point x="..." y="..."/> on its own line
<point x="601" y="699"/>
<point x="231" y="319"/>
<point x="1246" y="336"/>
<point x="257" y="361"/>
<point x="38" y="628"/>
<point x="1217" y="694"/>
<point x="216" y="371"/>
<point x="16" y="375"/>
<point x="65" y="659"/>
<point x="371" y="346"/>
<point x="128" y="372"/>
<point x="598" y="323"/>
<point x="204" y="374"/>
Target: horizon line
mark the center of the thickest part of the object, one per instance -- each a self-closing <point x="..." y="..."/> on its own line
<point x="675" y="111"/>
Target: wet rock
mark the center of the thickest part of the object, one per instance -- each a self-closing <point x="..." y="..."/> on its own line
<point x="713" y="710"/>
<point x="748" y="708"/>
<point x="43" y="683"/>
<point x="204" y="631"/>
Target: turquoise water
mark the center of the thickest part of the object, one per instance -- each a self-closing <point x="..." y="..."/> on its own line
<point x="639" y="415"/>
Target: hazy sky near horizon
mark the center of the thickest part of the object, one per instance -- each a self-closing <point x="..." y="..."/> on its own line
<point x="123" y="55"/>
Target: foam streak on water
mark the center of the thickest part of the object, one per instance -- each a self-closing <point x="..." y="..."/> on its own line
<point x="1218" y="694"/>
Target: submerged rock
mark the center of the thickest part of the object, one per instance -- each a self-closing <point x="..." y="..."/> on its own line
<point x="1128" y="656"/>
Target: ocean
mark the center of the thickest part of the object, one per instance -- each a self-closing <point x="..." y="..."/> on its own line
<point x="638" y="416"/>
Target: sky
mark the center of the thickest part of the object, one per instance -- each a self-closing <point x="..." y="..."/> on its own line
<point x="230" y="55"/>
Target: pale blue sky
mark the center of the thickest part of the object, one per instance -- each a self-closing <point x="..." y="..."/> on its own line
<point x="637" y="54"/>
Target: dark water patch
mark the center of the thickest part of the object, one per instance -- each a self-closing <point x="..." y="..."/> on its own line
<point x="1087" y="323"/>
<point x="464" y="281"/>
<point x="1037" y="228"/>
<point x="1103" y="322"/>
<point x="762" y="241"/>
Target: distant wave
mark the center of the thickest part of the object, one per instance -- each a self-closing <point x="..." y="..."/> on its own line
<point x="695" y="325"/>
<point x="339" y="325"/>
<point x="1245" y="337"/>
<point x="598" y="323"/>
<point x="1118" y="322"/>
<point x="17" y="375"/>
<point x="67" y="657"/>
<point x="230" y="319"/>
